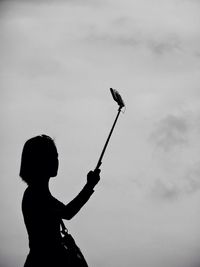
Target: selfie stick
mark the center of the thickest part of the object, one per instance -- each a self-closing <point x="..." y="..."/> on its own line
<point x="116" y="96"/>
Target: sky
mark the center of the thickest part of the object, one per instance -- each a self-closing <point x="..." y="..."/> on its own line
<point x="58" y="61"/>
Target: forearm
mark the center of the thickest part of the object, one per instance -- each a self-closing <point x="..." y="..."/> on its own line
<point x="73" y="207"/>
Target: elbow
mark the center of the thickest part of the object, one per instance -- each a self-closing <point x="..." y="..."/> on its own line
<point x="68" y="216"/>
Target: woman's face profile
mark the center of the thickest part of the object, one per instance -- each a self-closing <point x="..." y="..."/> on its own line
<point x="53" y="164"/>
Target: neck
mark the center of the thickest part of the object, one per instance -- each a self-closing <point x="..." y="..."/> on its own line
<point x="43" y="183"/>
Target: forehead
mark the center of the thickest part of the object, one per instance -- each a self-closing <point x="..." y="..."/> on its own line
<point x="47" y="146"/>
<point x="52" y="148"/>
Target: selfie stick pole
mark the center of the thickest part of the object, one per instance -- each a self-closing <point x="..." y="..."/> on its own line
<point x="118" y="99"/>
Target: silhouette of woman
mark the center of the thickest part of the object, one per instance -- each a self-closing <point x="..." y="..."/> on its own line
<point x="41" y="211"/>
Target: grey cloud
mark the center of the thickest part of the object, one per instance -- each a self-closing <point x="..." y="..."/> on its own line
<point x="170" y="132"/>
<point x="113" y="39"/>
<point x="161" y="47"/>
<point x="187" y="184"/>
<point x="165" y="191"/>
<point x="126" y="32"/>
<point x="192" y="179"/>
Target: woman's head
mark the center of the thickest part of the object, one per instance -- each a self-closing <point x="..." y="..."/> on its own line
<point x="39" y="159"/>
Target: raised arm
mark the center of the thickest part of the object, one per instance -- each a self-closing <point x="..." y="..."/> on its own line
<point x="72" y="208"/>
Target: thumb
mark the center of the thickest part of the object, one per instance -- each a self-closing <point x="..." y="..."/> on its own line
<point x="97" y="171"/>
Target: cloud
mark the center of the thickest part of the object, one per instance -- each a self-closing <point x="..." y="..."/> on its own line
<point x="175" y="153"/>
<point x="156" y="26"/>
<point x="187" y="184"/>
<point x="126" y="32"/>
<point x="160" y="47"/>
<point x="170" y="132"/>
<point x="164" y="191"/>
<point x="192" y="179"/>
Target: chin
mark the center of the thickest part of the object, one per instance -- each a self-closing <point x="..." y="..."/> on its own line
<point x="54" y="174"/>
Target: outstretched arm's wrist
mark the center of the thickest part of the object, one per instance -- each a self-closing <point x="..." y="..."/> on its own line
<point x="89" y="187"/>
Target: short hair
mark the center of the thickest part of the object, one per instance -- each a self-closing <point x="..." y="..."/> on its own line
<point x="36" y="158"/>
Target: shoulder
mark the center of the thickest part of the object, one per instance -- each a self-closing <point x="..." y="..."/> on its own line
<point x="31" y="199"/>
<point x="29" y="194"/>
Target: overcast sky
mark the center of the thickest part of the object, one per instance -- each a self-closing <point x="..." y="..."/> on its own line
<point x="58" y="61"/>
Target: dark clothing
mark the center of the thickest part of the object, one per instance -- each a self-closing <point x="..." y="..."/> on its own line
<point x="42" y="214"/>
